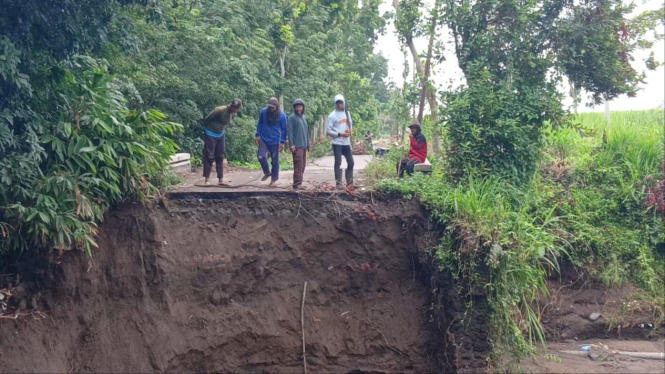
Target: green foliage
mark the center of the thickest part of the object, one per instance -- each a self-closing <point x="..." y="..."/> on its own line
<point x="92" y="152"/>
<point x="492" y="225"/>
<point x="322" y="148"/>
<point x="595" y="43"/>
<point x="69" y="147"/>
<point x="494" y="126"/>
<point x="382" y="168"/>
<point x="604" y="184"/>
<point x="585" y="206"/>
<point x="187" y="62"/>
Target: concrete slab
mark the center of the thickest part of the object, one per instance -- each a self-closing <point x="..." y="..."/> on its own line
<point x="318" y="173"/>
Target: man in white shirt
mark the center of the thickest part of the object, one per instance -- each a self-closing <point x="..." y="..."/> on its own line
<point x="339" y="129"/>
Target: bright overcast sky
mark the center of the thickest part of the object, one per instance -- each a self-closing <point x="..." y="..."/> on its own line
<point x="651" y="96"/>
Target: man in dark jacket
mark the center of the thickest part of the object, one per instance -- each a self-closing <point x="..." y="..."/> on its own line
<point x="417" y="153"/>
<point x="298" y="134"/>
<point x="214" y="143"/>
<point x="270" y="137"/>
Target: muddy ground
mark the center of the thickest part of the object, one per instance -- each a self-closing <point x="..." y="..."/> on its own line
<point x="578" y="308"/>
<point x="552" y="360"/>
<point x="216" y="286"/>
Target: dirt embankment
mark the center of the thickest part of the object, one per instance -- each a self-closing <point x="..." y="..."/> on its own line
<point x="216" y="285"/>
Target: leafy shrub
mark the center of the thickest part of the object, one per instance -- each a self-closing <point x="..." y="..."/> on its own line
<point x="656" y="194"/>
<point x="494" y="127"/>
<point x="240" y="146"/>
<point x="382" y="168"/>
<point x="321" y="149"/>
<point x="87" y="151"/>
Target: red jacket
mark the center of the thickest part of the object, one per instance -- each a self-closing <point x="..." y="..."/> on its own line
<point x="418" y="148"/>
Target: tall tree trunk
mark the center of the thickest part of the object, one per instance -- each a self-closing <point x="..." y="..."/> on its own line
<point x="436" y="133"/>
<point x="574" y="94"/>
<point x="423" y="73"/>
<point x="282" y="59"/>
<point x="428" y="62"/>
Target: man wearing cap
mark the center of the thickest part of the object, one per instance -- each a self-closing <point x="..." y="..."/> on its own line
<point x="339" y="129"/>
<point x="417" y="152"/>
<point x="298" y="134"/>
<point x="270" y="137"/>
<point x="214" y="142"/>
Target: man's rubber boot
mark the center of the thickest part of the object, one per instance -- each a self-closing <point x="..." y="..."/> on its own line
<point x="338" y="178"/>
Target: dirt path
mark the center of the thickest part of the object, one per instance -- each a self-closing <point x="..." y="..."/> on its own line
<point x="557" y="362"/>
<point x="317" y="173"/>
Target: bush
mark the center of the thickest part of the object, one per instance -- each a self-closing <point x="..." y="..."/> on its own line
<point x="321" y="149"/>
<point x="383" y="168"/>
<point x="240" y="146"/>
<point x="87" y="151"/>
<point x="494" y="127"/>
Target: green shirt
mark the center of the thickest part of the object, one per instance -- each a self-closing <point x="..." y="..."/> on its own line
<point x="218" y="119"/>
<point x="296" y="129"/>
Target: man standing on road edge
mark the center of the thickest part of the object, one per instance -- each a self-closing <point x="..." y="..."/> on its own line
<point x="298" y="134"/>
<point x="339" y="129"/>
<point x="214" y="143"/>
<point x="270" y="137"/>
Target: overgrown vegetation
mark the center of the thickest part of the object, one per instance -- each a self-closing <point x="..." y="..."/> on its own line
<point x="522" y="186"/>
<point x="590" y="204"/>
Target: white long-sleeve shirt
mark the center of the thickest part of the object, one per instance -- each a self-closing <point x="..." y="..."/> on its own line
<point x="337" y="124"/>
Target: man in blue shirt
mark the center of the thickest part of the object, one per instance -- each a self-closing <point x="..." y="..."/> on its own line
<point x="270" y="137"/>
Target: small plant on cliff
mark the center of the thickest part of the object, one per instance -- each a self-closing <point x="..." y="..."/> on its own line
<point x="656" y="197"/>
<point x="86" y="151"/>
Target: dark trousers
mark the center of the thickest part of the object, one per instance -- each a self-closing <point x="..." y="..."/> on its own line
<point x="339" y="151"/>
<point x="299" y="162"/>
<point x="213" y="151"/>
<point x="273" y="150"/>
<point x="406" y="164"/>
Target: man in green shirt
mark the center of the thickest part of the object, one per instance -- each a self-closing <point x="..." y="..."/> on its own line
<point x="298" y="134"/>
<point x="214" y="143"/>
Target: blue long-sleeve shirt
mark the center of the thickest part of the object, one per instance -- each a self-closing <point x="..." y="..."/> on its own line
<point x="271" y="134"/>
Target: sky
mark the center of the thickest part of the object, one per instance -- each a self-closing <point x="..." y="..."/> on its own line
<point x="651" y="95"/>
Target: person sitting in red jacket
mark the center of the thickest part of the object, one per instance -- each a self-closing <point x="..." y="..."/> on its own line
<point x="417" y="153"/>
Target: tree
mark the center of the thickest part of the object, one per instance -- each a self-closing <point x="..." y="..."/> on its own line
<point x="594" y="45"/>
<point x="514" y="54"/>
<point x="408" y="25"/>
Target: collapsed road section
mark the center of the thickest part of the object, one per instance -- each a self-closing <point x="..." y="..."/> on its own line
<point x="205" y="283"/>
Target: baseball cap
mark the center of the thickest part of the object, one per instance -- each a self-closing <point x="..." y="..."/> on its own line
<point x="236" y="103"/>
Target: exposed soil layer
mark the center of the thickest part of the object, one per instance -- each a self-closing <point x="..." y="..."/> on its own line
<point x="216" y="285"/>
